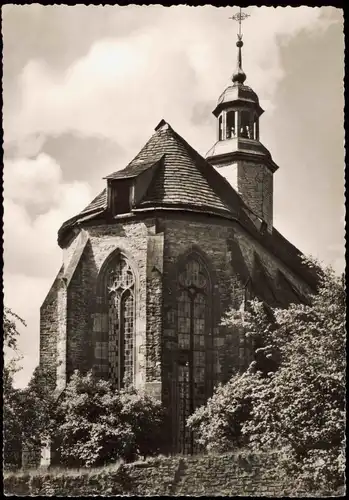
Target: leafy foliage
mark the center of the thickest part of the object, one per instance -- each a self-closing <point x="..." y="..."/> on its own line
<point x="38" y="407"/>
<point x="28" y="414"/>
<point x="96" y="425"/>
<point x="10" y="327"/>
<point x="11" y="395"/>
<point x="11" y="416"/>
<point x="292" y="398"/>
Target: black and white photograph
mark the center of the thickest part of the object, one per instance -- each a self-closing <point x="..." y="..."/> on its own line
<point x="174" y="299"/>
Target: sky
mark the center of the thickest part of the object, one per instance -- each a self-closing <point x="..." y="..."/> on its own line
<point x="85" y="86"/>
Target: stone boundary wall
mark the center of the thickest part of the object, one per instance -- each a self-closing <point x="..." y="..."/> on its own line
<point x="206" y="475"/>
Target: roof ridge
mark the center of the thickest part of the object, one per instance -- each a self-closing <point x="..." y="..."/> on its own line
<point x="167" y="134"/>
<point x="208" y="168"/>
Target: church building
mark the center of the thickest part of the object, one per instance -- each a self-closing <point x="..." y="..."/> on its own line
<point x="153" y="263"/>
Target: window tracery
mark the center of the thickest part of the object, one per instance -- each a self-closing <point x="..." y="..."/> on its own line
<point x="194" y="341"/>
<point x="121" y="316"/>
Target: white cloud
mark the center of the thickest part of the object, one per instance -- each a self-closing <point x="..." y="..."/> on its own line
<point x="24" y="295"/>
<point x="31" y="254"/>
<point x="30" y="244"/>
<point x="33" y="181"/>
<point x="36" y="203"/>
<point x="124" y="85"/>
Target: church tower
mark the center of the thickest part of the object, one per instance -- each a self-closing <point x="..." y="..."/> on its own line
<point x="238" y="154"/>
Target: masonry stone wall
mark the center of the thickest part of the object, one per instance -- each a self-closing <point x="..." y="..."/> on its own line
<point x="74" y="315"/>
<point x="79" y="318"/>
<point x="53" y="328"/>
<point x="231" y="474"/>
<point x="255" y="184"/>
<point x="230" y="253"/>
<point x="131" y="239"/>
<point x="153" y="348"/>
<point x="87" y="318"/>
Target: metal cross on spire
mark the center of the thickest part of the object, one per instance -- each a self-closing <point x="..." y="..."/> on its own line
<point x="239" y="16"/>
<point x="239" y="76"/>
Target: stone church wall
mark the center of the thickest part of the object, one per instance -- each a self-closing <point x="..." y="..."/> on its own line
<point x="230" y="255"/>
<point x="211" y="241"/>
<point x="132" y="240"/>
<point x="79" y="319"/>
<point x="255" y="184"/>
<point x="231" y="474"/>
<point x="53" y="328"/>
<point x="74" y="316"/>
<point x="87" y="319"/>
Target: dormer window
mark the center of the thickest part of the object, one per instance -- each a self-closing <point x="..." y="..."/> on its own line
<point x="127" y="187"/>
<point x="120" y="196"/>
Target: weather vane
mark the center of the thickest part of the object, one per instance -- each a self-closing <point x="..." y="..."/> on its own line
<point x="240" y="16"/>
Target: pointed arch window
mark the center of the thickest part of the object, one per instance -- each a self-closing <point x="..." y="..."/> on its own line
<point x="194" y="312"/>
<point x="121" y="322"/>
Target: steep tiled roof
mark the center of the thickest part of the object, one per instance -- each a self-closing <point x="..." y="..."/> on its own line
<point x="133" y="169"/>
<point x="184" y="180"/>
<point x="181" y="178"/>
<point x="97" y="203"/>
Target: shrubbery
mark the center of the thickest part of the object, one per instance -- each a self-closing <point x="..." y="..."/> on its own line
<point x="96" y="424"/>
<point x="91" y="422"/>
<point x="292" y="398"/>
<point x="12" y="401"/>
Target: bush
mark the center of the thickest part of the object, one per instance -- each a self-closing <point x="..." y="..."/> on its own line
<point x="96" y="424"/>
<point x="292" y="398"/>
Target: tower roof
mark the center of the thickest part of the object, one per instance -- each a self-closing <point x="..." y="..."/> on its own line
<point x="238" y="94"/>
<point x="239" y="76"/>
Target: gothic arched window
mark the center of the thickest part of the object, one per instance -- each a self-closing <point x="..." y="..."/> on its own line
<point x="194" y="343"/>
<point x="121" y="312"/>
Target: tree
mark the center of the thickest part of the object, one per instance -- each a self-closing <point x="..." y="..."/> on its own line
<point x="292" y="398"/>
<point x="10" y="328"/>
<point x="27" y="412"/>
<point x="96" y="424"/>
<point x="11" y="395"/>
<point x="37" y="410"/>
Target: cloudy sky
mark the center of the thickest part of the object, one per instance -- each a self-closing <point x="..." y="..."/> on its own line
<point x="85" y="86"/>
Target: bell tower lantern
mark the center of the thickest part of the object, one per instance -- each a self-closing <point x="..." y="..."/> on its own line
<point x="238" y="154"/>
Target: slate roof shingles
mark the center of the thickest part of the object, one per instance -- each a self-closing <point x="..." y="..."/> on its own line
<point x="132" y="170"/>
<point x="179" y="180"/>
<point x="184" y="179"/>
<point x="99" y="202"/>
